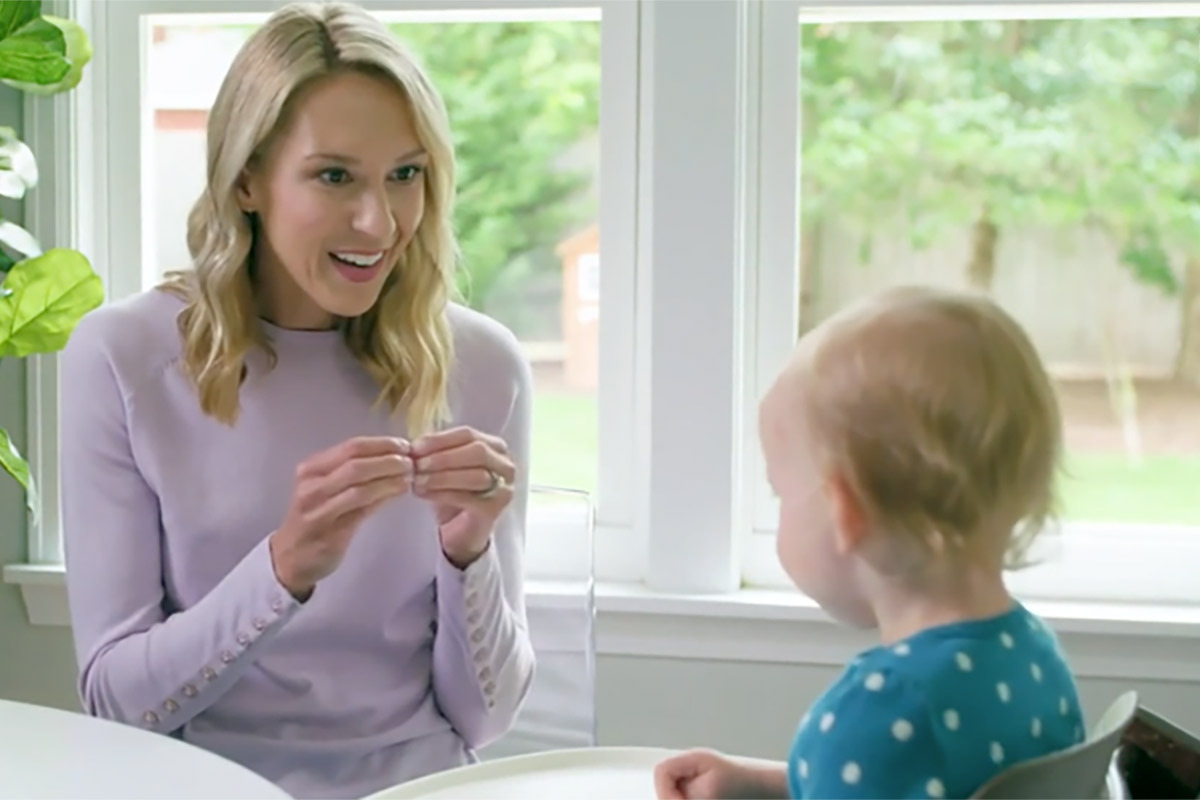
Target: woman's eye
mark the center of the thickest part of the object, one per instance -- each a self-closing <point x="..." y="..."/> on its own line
<point x="408" y="174"/>
<point x="334" y="175"/>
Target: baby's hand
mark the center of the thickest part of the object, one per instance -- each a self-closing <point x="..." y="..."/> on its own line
<point x="702" y="775"/>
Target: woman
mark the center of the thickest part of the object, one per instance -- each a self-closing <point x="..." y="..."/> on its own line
<point x="293" y="490"/>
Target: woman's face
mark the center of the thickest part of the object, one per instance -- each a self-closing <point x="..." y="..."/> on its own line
<point x="338" y="196"/>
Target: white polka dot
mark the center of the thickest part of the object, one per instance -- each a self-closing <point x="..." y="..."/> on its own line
<point x="802" y="768"/>
<point x="826" y="721"/>
<point x="874" y="681"/>
<point x="935" y="788"/>
<point x="1003" y="691"/>
<point x="950" y="717"/>
<point x="902" y="649"/>
<point x="964" y="661"/>
<point x="997" y="752"/>
<point x="902" y="729"/>
<point x="851" y="773"/>
<point x="1035" y="727"/>
<point x="1063" y="706"/>
<point x="1036" y="671"/>
<point x="1006" y="639"/>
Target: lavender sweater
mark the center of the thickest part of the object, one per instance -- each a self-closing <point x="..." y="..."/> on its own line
<point x="397" y="666"/>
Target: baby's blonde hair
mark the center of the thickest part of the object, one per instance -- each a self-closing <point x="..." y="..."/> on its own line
<point x="936" y="410"/>
<point x="403" y="341"/>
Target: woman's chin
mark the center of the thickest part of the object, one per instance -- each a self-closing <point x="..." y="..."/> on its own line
<point x="344" y="299"/>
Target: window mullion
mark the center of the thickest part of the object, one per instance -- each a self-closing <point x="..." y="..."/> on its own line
<point x="695" y="239"/>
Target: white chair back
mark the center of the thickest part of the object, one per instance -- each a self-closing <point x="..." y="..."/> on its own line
<point x="1086" y="770"/>
<point x="560" y="709"/>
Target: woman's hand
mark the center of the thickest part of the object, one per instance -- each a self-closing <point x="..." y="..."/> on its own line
<point x="468" y="477"/>
<point x="707" y="775"/>
<point x="334" y="491"/>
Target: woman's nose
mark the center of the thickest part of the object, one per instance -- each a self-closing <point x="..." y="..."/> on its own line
<point x="374" y="216"/>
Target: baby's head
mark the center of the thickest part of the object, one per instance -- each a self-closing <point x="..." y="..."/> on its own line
<point x="911" y="436"/>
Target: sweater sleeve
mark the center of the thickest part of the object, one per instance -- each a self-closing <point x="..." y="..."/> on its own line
<point x="137" y="664"/>
<point x="483" y="660"/>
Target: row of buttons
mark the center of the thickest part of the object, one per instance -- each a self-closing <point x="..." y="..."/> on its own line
<point x="150" y="719"/>
<point x="485" y="673"/>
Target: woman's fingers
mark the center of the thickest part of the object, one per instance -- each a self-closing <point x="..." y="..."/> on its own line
<point x="471" y="479"/>
<point x="360" y="447"/>
<point x="454" y="438"/>
<point x="476" y="456"/>
<point x="359" y="496"/>
<point x="356" y="472"/>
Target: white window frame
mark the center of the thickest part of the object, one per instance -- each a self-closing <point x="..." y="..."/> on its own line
<point x="655" y="83"/>
<point x="1130" y="564"/>
<point x="682" y="528"/>
<point x="72" y="208"/>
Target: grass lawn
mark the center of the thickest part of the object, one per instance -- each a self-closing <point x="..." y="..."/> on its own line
<point x="1097" y="487"/>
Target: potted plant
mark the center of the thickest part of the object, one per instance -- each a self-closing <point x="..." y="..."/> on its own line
<point x="43" y="293"/>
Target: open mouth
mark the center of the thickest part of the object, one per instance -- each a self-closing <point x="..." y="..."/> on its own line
<point x="357" y="267"/>
<point x="359" y="260"/>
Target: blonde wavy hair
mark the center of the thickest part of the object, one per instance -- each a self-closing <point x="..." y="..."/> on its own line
<point x="403" y="341"/>
<point x="937" y="411"/>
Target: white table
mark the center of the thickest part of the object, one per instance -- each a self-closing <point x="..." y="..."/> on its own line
<point x="602" y="773"/>
<point x="47" y="753"/>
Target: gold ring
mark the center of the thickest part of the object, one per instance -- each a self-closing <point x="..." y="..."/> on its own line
<point x="492" y="487"/>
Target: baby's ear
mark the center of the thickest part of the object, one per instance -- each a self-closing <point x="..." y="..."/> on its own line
<point x="849" y="516"/>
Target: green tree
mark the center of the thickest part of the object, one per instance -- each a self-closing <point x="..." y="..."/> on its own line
<point x="519" y="96"/>
<point x="995" y="124"/>
<point x="934" y="120"/>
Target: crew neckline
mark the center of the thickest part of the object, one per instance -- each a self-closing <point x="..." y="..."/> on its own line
<point x="299" y="335"/>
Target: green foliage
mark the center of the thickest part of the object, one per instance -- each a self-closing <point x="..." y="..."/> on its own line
<point x="44" y="297"/>
<point x="1027" y="121"/>
<point x="519" y="95"/>
<point x="42" y="294"/>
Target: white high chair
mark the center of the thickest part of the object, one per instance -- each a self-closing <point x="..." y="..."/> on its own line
<point x="1086" y="770"/>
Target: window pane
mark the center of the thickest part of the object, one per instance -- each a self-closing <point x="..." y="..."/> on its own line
<point x="522" y="92"/>
<point x="1054" y="164"/>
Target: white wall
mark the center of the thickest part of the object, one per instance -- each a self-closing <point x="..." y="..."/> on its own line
<point x="750" y="708"/>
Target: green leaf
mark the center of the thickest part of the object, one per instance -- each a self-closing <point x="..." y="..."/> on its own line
<point x="78" y="53"/>
<point x="15" y="14"/>
<point x="18" y="167"/>
<point x="34" y="54"/>
<point x="1144" y="255"/>
<point x="18" y="239"/>
<point x="48" y="296"/>
<point x="18" y="467"/>
<point x="6" y="263"/>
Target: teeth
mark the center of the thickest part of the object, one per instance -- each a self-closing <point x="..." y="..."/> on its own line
<point x="359" y="259"/>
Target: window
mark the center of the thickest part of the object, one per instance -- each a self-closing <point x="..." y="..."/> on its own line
<point x="1045" y="155"/>
<point x="532" y="128"/>
<point x="681" y="190"/>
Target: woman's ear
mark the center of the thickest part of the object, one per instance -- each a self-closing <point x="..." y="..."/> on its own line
<point x="247" y="192"/>
<point x="849" y="517"/>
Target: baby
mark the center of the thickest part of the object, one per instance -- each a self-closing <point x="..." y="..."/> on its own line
<point x="913" y="442"/>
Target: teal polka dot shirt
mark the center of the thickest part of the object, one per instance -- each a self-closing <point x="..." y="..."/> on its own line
<point x="938" y="714"/>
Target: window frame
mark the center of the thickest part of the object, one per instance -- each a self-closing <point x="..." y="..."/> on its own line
<point x="682" y="505"/>
<point x="650" y="73"/>
<point x="72" y="209"/>
<point x="1088" y="562"/>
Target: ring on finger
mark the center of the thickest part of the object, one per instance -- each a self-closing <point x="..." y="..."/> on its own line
<point x="494" y="486"/>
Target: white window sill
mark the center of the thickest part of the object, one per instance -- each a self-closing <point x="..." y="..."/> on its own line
<point x="1103" y="640"/>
